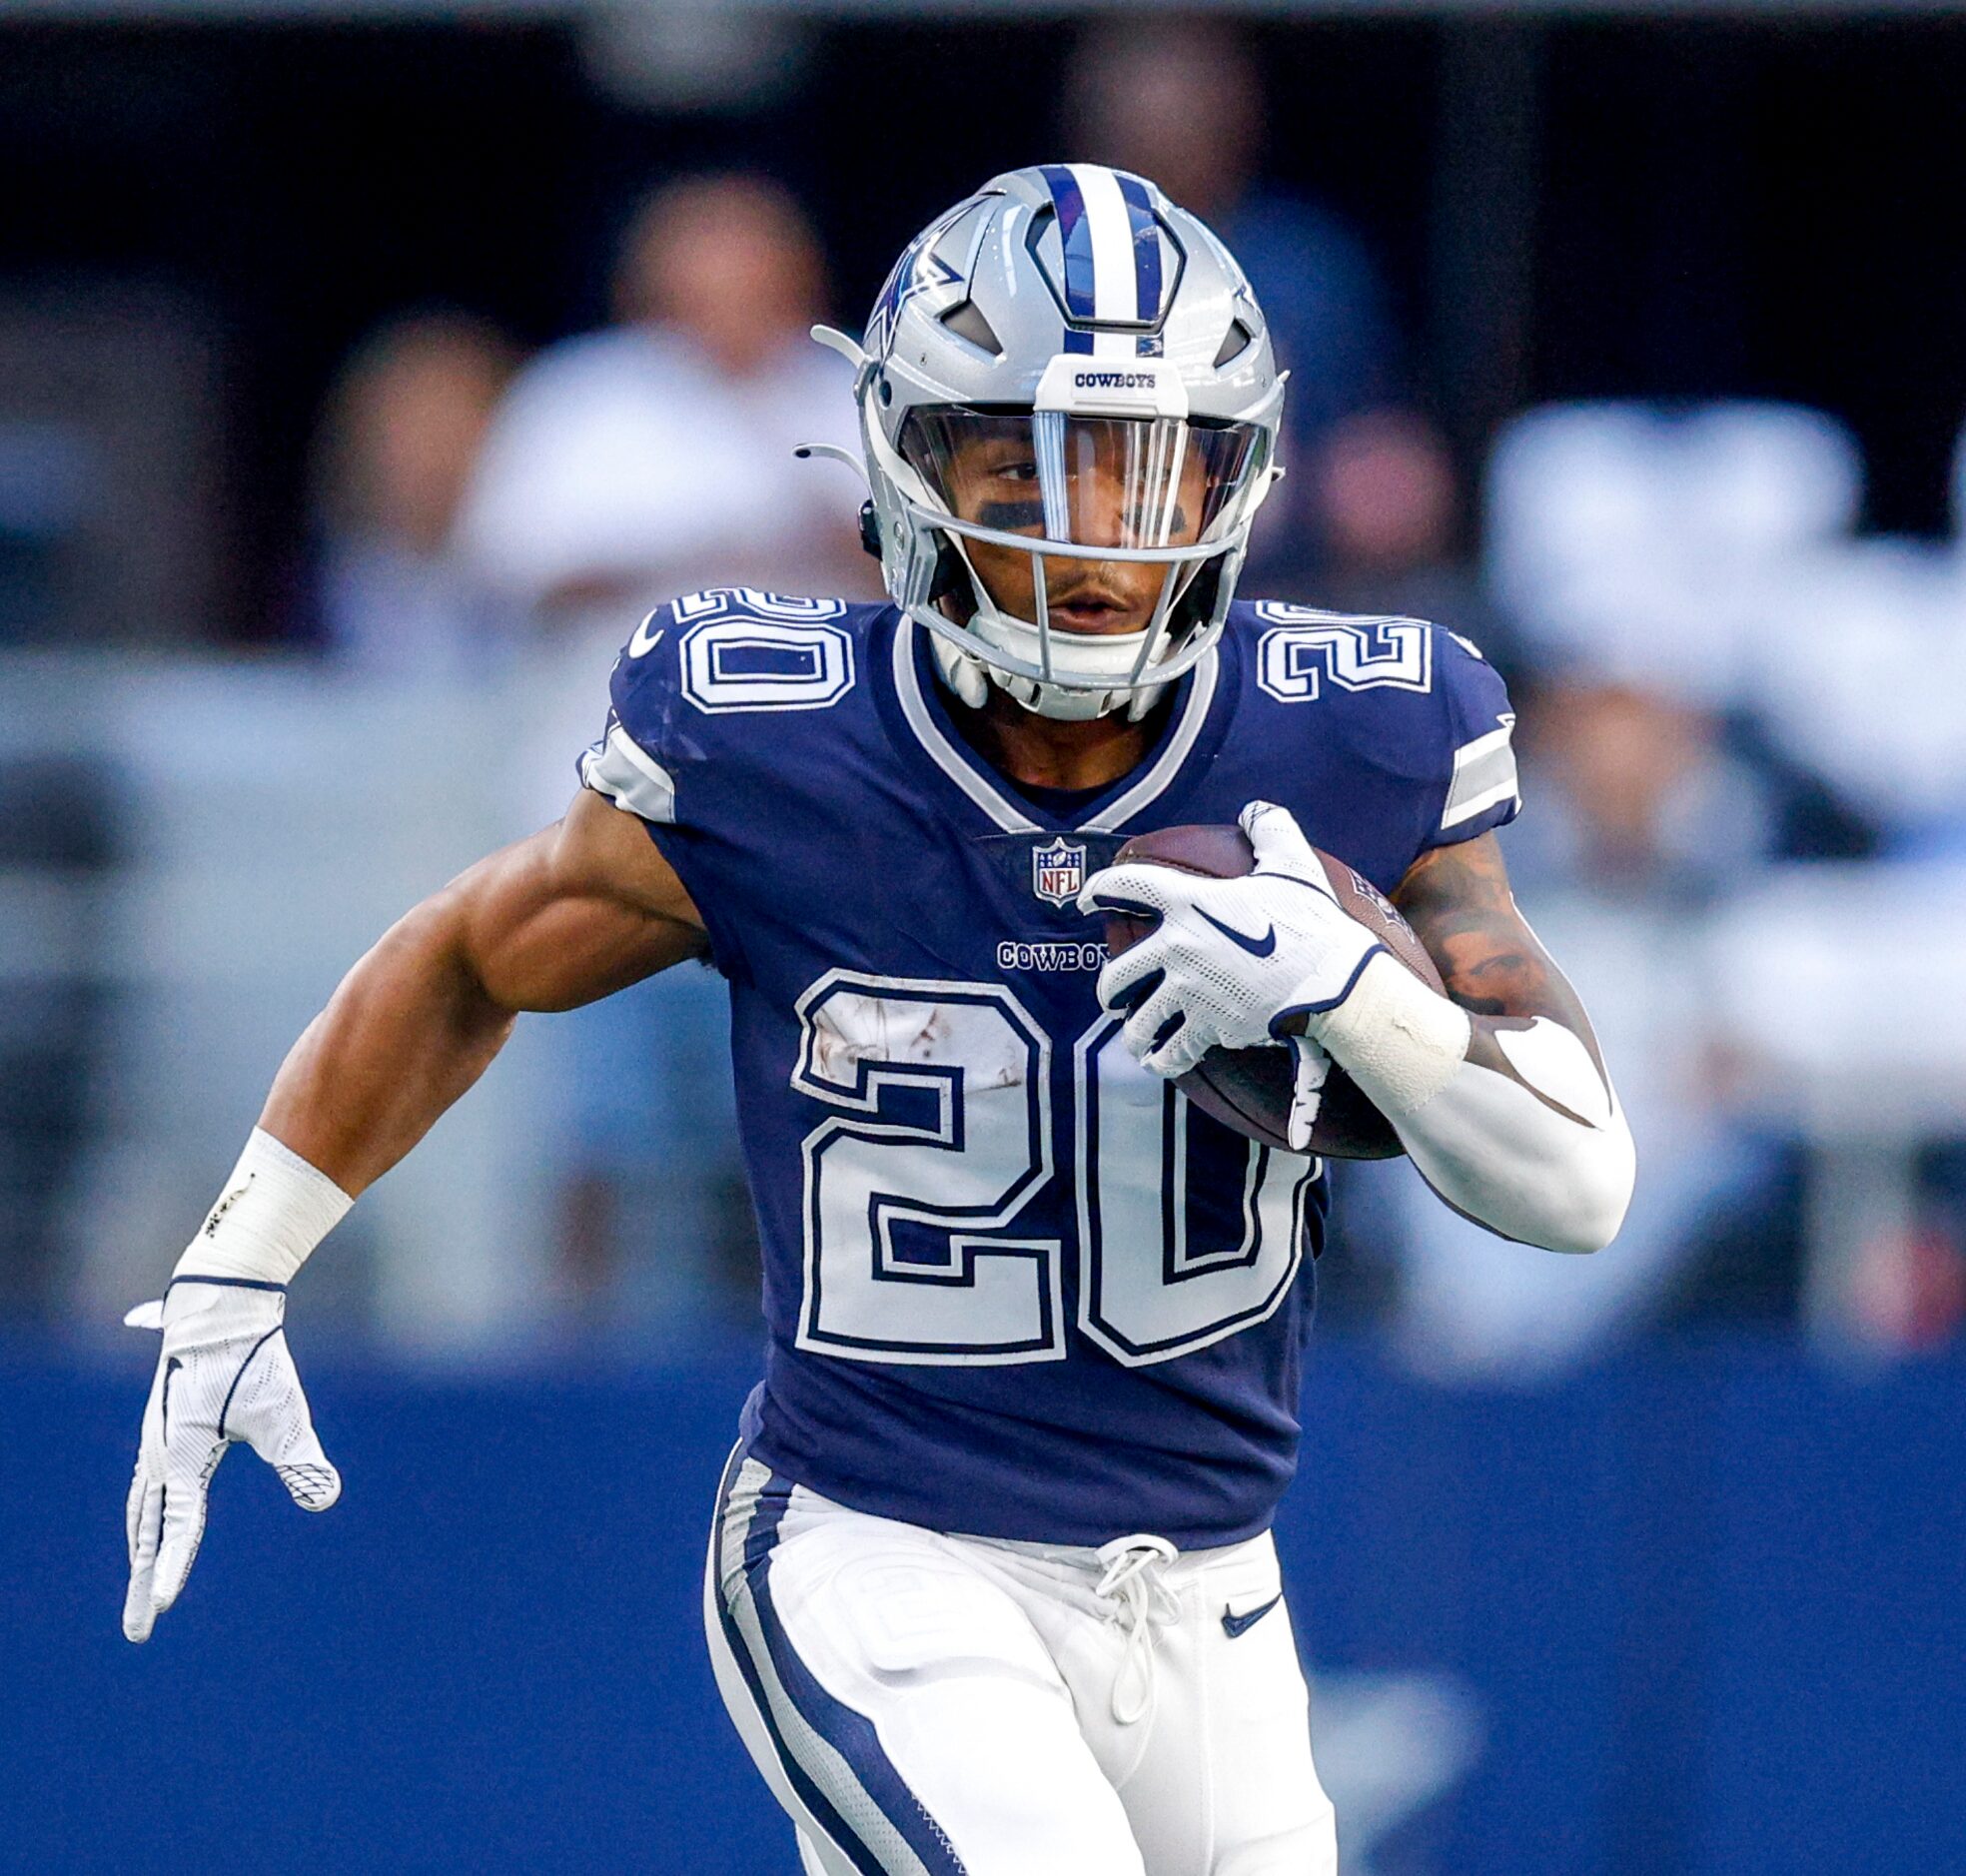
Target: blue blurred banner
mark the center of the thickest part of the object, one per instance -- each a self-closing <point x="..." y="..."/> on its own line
<point x="1701" y="1611"/>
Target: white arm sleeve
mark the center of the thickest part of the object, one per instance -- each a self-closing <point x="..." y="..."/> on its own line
<point x="1542" y="1155"/>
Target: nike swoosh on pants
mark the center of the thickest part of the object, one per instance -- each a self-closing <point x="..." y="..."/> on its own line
<point x="1234" y="1626"/>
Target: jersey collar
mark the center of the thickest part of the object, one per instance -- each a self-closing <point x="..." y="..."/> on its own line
<point x="923" y="712"/>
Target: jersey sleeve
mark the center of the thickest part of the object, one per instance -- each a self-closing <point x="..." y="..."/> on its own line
<point x="727" y="717"/>
<point x="640" y="752"/>
<point x="653" y="762"/>
<point x="1478" y="788"/>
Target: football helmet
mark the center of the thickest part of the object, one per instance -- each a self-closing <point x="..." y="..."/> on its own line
<point x="1069" y="367"/>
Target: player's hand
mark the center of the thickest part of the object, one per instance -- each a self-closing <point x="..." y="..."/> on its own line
<point x="1311" y="1068"/>
<point x="223" y="1375"/>
<point x="1228" y="959"/>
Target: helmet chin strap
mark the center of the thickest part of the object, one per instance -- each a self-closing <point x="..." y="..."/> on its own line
<point x="970" y="678"/>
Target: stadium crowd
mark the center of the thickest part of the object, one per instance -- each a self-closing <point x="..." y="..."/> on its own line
<point x="1706" y="654"/>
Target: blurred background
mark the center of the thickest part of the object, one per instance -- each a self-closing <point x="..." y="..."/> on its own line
<point x="365" y="370"/>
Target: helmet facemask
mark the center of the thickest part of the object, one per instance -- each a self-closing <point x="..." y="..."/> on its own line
<point x="1042" y="508"/>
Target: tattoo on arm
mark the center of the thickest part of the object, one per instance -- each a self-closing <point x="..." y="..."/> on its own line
<point x="1459" y="903"/>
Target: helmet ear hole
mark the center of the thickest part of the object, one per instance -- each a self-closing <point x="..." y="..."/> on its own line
<point x="1196" y="606"/>
<point x="1235" y="342"/>
<point x="951" y="577"/>
<point x="966" y="321"/>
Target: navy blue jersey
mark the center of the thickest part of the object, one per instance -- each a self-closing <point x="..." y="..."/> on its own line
<point x="1014" y="1284"/>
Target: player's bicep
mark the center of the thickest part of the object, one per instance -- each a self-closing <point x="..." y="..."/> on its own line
<point x="1458" y="900"/>
<point x="580" y="910"/>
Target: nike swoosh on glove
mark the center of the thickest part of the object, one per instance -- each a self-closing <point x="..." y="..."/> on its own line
<point x="1227" y="958"/>
<point x="223" y="1375"/>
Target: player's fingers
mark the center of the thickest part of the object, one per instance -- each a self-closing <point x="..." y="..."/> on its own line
<point x="1180" y="1049"/>
<point x="1133" y="974"/>
<point x="269" y="1410"/>
<point x="1311" y="1068"/>
<point x="142" y="1508"/>
<point x="141" y="1482"/>
<point x="145" y="1518"/>
<point x="184" y="1526"/>
<point x="1279" y="842"/>
<point x="311" y="1480"/>
<point x="1145" y="891"/>
<point x="1153" y="1025"/>
<point x="1272" y="830"/>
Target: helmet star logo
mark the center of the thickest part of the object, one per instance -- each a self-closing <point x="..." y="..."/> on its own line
<point x="914" y="273"/>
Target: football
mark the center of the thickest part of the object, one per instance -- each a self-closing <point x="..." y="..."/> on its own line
<point x="1250" y="1089"/>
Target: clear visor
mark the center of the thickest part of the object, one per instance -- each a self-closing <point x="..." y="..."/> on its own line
<point x="1099" y="482"/>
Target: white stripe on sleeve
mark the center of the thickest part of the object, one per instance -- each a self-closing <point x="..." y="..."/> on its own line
<point x="631" y="778"/>
<point x="1483" y="776"/>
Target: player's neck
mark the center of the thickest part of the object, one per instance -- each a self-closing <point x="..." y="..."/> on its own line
<point x="1042" y="753"/>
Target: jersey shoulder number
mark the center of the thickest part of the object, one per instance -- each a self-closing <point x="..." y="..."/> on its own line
<point x="1416" y="698"/>
<point x="736" y="648"/>
<point x="728" y="651"/>
<point x="1302" y="653"/>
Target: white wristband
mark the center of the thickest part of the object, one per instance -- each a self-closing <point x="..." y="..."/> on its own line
<point x="1399" y="1040"/>
<point x="275" y="1208"/>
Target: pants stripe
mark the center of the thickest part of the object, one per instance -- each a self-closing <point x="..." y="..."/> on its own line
<point x="830" y="1753"/>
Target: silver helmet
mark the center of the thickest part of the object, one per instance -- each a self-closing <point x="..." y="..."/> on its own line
<point x="1069" y="367"/>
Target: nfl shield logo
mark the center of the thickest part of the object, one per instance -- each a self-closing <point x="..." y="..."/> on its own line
<point x="1058" y="871"/>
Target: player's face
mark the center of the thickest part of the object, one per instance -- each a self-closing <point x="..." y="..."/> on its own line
<point x="993" y="480"/>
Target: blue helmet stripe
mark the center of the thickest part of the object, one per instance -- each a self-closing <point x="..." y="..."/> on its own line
<point x="1145" y="247"/>
<point x="1075" y="237"/>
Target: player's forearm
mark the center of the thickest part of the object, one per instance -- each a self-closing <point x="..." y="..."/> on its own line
<point x="410" y="1028"/>
<point x="1514" y="1121"/>
<point x="1511" y="1120"/>
<point x="1516" y="1159"/>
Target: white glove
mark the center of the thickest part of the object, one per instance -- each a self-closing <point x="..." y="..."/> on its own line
<point x="1311" y="1068"/>
<point x="223" y="1375"/>
<point x="1230" y="958"/>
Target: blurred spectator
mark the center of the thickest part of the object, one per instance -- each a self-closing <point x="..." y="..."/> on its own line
<point x="1860" y="677"/>
<point x="1637" y="797"/>
<point x="1664" y="542"/>
<point x="1386" y="509"/>
<point x="623" y="468"/>
<point x="114" y="428"/>
<point x="1704" y="550"/>
<point x="1182" y="102"/>
<point x="398" y="439"/>
<point x="656" y="457"/>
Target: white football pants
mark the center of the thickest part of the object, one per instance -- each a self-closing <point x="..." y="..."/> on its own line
<point x="934" y="1705"/>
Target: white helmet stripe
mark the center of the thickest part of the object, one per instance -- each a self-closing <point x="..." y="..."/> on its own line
<point x="1115" y="280"/>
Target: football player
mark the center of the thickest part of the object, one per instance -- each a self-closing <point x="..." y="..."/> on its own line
<point x="990" y="1585"/>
